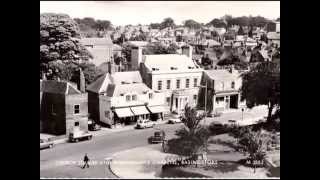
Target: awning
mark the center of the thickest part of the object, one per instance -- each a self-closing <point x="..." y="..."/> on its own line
<point x="157" y="109"/>
<point x="124" y="112"/>
<point x="139" y="110"/>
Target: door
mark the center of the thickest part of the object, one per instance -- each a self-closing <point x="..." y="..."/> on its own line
<point x="234" y="101"/>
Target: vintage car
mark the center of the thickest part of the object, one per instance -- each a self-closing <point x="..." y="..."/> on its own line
<point x="92" y="126"/>
<point x="44" y="143"/>
<point x="174" y="120"/>
<point x="76" y="136"/>
<point x="158" y="137"/>
<point x="145" y="123"/>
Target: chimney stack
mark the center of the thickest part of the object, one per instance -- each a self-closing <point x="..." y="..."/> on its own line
<point x="44" y="76"/>
<point x="82" y="84"/>
<point x="187" y="50"/>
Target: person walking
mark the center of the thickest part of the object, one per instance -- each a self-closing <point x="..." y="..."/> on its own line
<point x="86" y="160"/>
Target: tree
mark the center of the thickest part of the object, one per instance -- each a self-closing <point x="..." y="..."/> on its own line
<point x="240" y="31"/>
<point x="192" y="24"/>
<point x="155" y="25"/>
<point x="60" y="49"/>
<point x="167" y="22"/>
<point x="261" y="86"/>
<point x="217" y="23"/>
<point x="192" y="137"/>
<point x="228" y="19"/>
<point x="157" y="48"/>
<point x="255" y="143"/>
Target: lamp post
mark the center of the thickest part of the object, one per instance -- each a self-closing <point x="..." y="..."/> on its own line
<point x="242" y="113"/>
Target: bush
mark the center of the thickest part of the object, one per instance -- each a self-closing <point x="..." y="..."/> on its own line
<point x="216" y="129"/>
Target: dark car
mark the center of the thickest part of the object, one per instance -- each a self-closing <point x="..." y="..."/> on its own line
<point x="94" y="127"/>
<point x="44" y="143"/>
<point x="158" y="137"/>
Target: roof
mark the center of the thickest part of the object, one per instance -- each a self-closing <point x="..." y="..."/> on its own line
<point x="221" y="75"/>
<point x="264" y="54"/>
<point x="116" y="47"/>
<point x="102" y="83"/>
<point x="97" y="41"/>
<point x="165" y="62"/>
<point x="273" y="35"/>
<point x="117" y="90"/>
<point x="58" y="87"/>
<point x="138" y="43"/>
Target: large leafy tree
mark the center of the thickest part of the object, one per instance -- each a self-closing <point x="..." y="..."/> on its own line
<point x="157" y="48"/>
<point x="261" y="86"/>
<point x="217" y="23"/>
<point x="192" y="24"/>
<point x="60" y="49"/>
<point x="167" y="22"/>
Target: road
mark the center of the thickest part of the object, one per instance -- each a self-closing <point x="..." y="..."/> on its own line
<point x="100" y="147"/>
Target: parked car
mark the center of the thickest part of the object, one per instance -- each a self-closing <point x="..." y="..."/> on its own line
<point x="94" y="127"/>
<point x="158" y="137"/>
<point x="145" y="123"/>
<point x="75" y="137"/>
<point x="44" y="143"/>
<point x="174" y="120"/>
<point x="217" y="114"/>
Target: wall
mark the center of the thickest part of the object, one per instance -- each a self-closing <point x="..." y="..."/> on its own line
<point x="53" y="122"/>
<point x="82" y="117"/>
<point x="136" y="57"/>
<point x="105" y="105"/>
<point x="93" y="106"/>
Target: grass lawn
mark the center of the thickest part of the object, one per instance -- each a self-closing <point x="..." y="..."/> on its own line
<point x="227" y="163"/>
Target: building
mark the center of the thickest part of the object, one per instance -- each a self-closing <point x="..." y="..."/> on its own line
<point x="176" y="76"/>
<point x="120" y="98"/>
<point x="273" y="38"/>
<point x="63" y="108"/>
<point x="100" y="48"/>
<point x="225" y="88"/>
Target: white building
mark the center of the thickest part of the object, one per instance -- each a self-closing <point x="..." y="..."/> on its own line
<point x="176" y="76"/>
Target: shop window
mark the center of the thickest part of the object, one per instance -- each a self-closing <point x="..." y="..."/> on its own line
<point x="76" y="109"/>
<point x="76" y="123"/>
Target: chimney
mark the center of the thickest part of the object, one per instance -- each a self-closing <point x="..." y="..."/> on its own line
<point x="44" y="76"/>
<point x="82" y="82"/>
<point x="187" y="50"/>
<point x="111" y="69"/>
<point x="136" y="57"/>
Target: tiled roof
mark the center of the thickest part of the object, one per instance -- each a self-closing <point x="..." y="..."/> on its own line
<point x="119" y="89"/>
<point x="168" y="61"/>
<point x="102" y="83"/>
<point x="221" y="75"/>
<point x="58" y="87"/>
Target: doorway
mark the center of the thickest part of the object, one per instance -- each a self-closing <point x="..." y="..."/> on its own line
<point x="234" y="101"/>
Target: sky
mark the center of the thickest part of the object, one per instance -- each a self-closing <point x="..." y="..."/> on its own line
<point x="146" y="12"/>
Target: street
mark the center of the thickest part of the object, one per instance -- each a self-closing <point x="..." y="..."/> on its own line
<point x="101" y="147"/>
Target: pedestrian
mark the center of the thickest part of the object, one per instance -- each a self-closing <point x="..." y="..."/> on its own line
<point x="86" y="160"/>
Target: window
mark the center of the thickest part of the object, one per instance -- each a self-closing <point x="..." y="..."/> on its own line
<point x="232" y="85"/>
<point x="76" y="109"/>
<point x="195" y="82"/>
<point x="107" y="114"/>
<point x="150" y="95"/>
<point x="128" y="97"/>
<point x="76" y="123"/>
<point x="134" y="97"/>
<point x="219" y="99"/>
<point x="168" y="100"/>
<point x="195" y="97"/>
<point x="187" y="83"/>
<point x="159" y="85"/>
<point x="178" y="83"/>
<point x="168" y="84"/>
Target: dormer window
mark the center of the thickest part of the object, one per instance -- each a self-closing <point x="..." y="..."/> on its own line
<point x="232" y="85"/>
<point x="128" y="98"/>
<point x="134" y="97"/>
<point x="174" y="68"/>
<point x="150" y="95"/>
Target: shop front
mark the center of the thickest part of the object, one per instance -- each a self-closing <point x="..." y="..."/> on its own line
<point x="156" y="112"/>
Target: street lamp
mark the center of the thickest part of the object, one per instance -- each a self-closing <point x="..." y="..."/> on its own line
<point x="242" y="113"/>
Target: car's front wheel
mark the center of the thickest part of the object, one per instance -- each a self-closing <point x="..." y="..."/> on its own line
<point x="76" y="140"/>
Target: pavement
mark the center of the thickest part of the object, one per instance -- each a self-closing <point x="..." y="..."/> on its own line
<point x="141" y="163"/>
